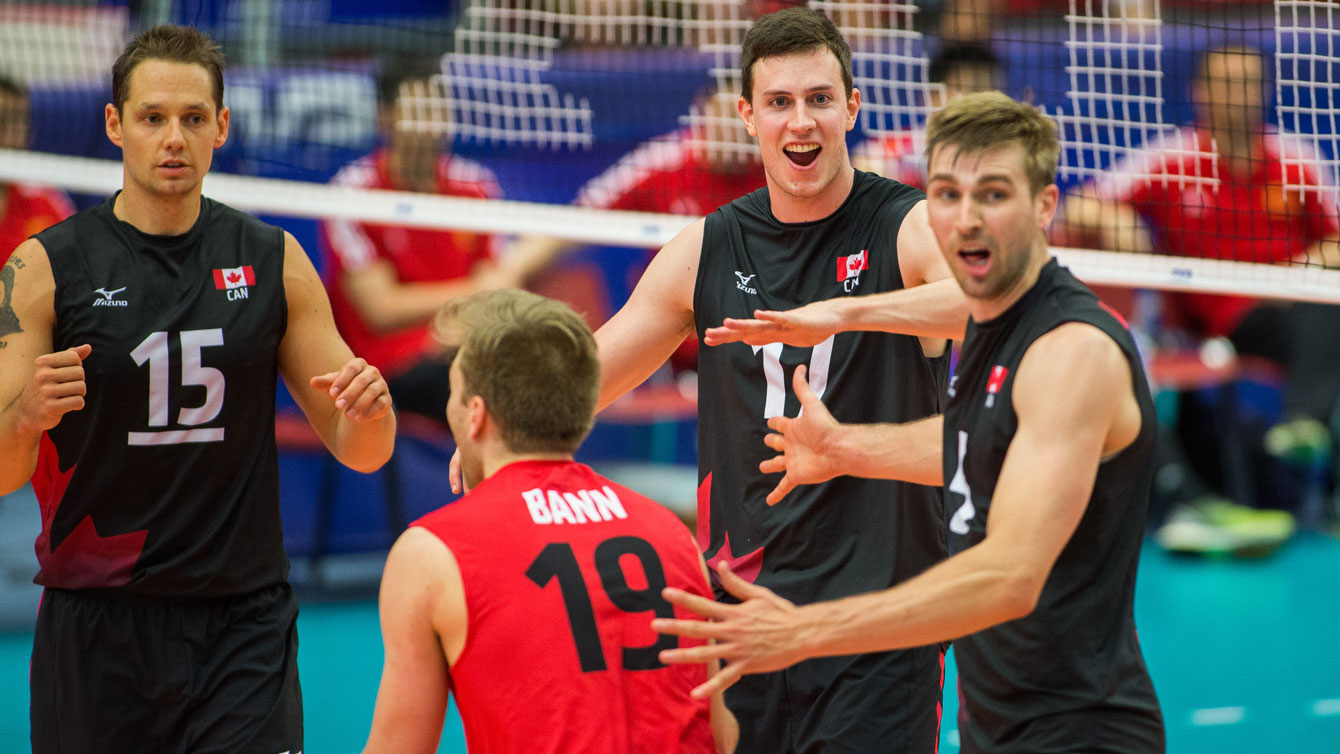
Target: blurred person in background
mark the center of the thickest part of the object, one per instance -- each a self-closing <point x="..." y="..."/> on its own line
<point x="957" y="69"/>
<point x="25" y="208"/>
<point x="1230" y="187"/>
<point x="386" y="282"/>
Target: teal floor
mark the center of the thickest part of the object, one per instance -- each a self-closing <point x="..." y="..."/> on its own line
<point x="1245" y="657"/>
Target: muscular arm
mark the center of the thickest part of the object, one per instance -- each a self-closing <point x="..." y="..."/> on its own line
<point x="423" y="617"/>
<point x="1075" y="405"/>
<point x="36" y="386"/>
<point x="654" y="321"/>
<point x="1113" y="225"/>
<point x="344" y="398"/>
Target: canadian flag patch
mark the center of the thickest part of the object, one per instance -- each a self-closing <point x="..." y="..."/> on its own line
<point x="850" y="266"/>
<point x="995" y="382"/>
<point x="234" y="277"/>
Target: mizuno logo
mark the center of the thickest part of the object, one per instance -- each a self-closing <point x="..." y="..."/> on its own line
<point x="743" y="282"/>
<point x="107" y="299"/>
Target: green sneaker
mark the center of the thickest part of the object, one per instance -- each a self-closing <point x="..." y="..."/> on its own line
<point x="1299" y="442"/>
<point x="1215" y="526"/>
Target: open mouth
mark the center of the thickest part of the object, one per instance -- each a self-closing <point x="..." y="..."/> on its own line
<point x="975" y="257"/>
<point x="802" y="154"/>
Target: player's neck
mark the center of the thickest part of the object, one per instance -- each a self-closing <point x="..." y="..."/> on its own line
<point x="790" y="208"/>
<point x="495" y="461"/>
<point x="158" y="216"/>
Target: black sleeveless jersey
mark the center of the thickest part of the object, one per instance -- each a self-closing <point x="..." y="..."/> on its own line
<point x="1069" y="677"/>
<point x="167" y="481"/>
<point x="847" y="535"/>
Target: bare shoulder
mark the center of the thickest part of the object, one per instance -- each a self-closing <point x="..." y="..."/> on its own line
<point x="418" y="556"/>
<point x="27" y="286"/>
<point x="1075" y="365"/>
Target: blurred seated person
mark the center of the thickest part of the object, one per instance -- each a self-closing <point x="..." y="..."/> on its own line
<point x="959" y="68"/>
<point x="709" y="161"/>
<point x="1228" y="187"/>
<point x="25" y="208"/>
<point x="387" y="282"/>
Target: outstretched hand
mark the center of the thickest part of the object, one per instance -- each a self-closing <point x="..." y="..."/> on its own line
<point x="806" y="326"/>
<point x="762" y="634"/>
<point x="802" y="442"/>
<point x="358" y="390"/>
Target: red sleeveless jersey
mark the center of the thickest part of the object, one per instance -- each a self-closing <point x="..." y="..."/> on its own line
<point x="563" y="571"/>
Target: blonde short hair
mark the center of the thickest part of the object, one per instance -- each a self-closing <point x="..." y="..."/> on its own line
<point x="980" y="121"/>
<point x="533" y="360"/>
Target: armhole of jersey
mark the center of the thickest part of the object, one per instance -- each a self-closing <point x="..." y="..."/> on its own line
<point x="719" y="215"/>
<point x="283" y="298"/>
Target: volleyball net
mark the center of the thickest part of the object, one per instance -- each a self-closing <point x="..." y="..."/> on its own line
<point x="612" y="122"/>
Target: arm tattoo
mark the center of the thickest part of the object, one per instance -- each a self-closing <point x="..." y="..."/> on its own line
<point x="9" y="322"/>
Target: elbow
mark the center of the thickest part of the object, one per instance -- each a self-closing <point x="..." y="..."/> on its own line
<point x="1019" y="594"/>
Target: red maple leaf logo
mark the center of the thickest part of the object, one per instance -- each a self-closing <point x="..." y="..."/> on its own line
<point x="233" y="278"/>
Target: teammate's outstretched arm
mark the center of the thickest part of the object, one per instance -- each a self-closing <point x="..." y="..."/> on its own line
<point x="37" y="387"/>
<point x="422" y="607"/>
<point x="344" y="397"/>
<point x="1076" y="405"/>
<point x="814" y="447"/>
<point x="931" y="305"/>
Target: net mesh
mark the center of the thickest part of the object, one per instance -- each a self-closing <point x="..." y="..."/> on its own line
<point x="552" y="96"/>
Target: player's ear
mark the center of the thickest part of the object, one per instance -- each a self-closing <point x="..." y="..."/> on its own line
<point x="746" y="112"/>
<point x="477" y="417"/>
<point x="224" y="116"/>
<point x="112" y="116"/>
<point x="1045" y="203"/>
<point x="853" y="107"/>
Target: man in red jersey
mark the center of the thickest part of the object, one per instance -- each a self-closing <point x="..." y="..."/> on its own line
<point x="531" y="597"/>
<point x="387" y="281"/>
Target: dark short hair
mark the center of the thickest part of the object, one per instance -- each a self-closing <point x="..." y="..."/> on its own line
<point x="789" y="31"/>
<point x="961" y="54"/>
<point x="176" y="44"/>
<point x="533" y="360"/>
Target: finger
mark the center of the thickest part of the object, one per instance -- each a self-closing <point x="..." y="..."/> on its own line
<point x="736" y="585"/>
<point x="782" y="489"/>
<point x="693" y="629"/>
<point x="772" y="317"/>
<point x="694" y="655"/>
<point x="67" y="358"/>
<point x="369" y="402"/>
<point x="776" y="441"/>
<point x="780" y="424"/>
<point x="82" y="352"/>
<point x="60" y="375"/>
<point x="63" y="389"/>
<point x="693" y="603"/>
<point x="323" y="381"/>
<point x="454" y="472"/>
<point x="346" y="375"/>
<point x="361" y="392"/>
<point x="774" y="465"/>
<point x="722" y="680"/>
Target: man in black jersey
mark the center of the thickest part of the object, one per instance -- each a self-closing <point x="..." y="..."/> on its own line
<point x="1045" y="451"/>
<point x="819" y="230"/>
<point x="140" y="345"/>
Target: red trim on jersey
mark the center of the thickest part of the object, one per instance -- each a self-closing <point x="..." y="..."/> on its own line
<point x="1115" y="314"/>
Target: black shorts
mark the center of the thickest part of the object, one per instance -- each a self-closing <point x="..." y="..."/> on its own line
<point x="120" y="673"/>
<point x="887" y="702"/>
